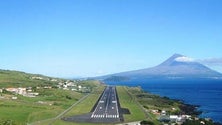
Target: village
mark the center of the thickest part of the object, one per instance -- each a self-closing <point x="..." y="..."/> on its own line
<point x="170" y="119"/>
<point x="73" y="85"/>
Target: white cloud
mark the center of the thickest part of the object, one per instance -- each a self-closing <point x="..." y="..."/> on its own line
<point x="184" y="59"/>
<point x="212" y="61"/>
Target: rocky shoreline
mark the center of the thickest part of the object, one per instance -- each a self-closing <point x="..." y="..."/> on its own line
<point x="186" y="109"/>
<point x="192" y="110"/>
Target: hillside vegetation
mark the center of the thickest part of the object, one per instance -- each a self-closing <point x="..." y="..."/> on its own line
<point x="21" y="79"/>
<point x="50" y="101"/>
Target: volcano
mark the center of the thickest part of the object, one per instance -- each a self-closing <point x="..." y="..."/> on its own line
<point x="176" y="67"/>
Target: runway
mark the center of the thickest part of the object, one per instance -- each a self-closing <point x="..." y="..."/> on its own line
<point x="107" y="107"/>
<point x="106" y="110"/>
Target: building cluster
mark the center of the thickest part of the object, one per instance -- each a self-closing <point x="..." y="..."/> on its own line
<point x="66" y="84"/>
<point x="23" y="91"/>
<point x="72" y="85"/>
<point x="37" y="77"/>
<point x="164" y="117"/>
<point x="167" y="119"/>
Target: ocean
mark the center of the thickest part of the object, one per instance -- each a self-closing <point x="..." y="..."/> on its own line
<point x="205" y="93"/>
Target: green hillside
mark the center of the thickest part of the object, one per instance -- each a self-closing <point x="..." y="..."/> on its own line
<point x="21" y="79"/>
<point x="54" y="96"/>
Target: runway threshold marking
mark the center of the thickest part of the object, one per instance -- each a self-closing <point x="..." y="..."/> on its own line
<point x="109" y="91"/>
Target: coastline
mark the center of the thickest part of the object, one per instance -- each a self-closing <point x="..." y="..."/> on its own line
<point x="202" y="94"/>
<point x="165" y="110"/>
<point x="186" y="108"/>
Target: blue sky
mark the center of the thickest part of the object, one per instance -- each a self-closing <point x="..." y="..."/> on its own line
<point x="72" y="38"/>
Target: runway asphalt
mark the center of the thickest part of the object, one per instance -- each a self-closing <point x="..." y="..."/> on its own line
<point x="107" y="106"/>
<point x="106" y="110"/>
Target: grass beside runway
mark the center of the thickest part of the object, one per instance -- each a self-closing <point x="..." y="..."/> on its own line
<point x="129" y="102"/>
<point x="83" y="107"/>
<point x="126" y="101"/>
<point x="87" y="104"/>
<point x="27" y="110"/>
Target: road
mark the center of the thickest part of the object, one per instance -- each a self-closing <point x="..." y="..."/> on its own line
<point x="107" y="106"/>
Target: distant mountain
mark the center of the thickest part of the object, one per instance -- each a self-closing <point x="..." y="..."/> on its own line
<point x="176" y="67"/>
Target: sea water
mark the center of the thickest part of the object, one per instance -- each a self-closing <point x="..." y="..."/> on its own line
<point x="205" y="93"/>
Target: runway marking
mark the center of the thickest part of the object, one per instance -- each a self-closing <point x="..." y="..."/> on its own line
<point x="107" y="104"/>
<point x="104" y="94"/>
<point x="104" y="116"/>
<point x="107" y="107"/>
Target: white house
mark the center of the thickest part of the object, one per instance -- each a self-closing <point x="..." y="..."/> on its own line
<point x="14" y="90"/>
<point x="176" y="118"/>
<point x="163" y="112"/>
<point x="79" y="86"/>
<point x="14" y="97"/>
<point x="173" y="117"/>
<point x="21" y="91"/>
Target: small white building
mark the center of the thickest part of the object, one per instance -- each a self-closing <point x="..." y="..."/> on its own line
<point x="21" y="91"/>
<point x="14" y="98"/>
<point x="14" y="90"/>
<point x="80" y="87"/>
<point x="186" y="116"/>
<point x="202" y="122"/>
<point x="155" y="111"/>
<point x="40" y="78"/>
<point x="65" y="86"/>
<point x="176" y="118"/>
<point x="47" y="87"/>
<point x="173" y="117"/>
<point x="163" y="112"/>
<point x="74" y="89"/>
<point x="29" y="90"/>
<point x="33" y="94"/>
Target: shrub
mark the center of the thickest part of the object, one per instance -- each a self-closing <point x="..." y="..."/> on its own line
<point x="144" y="122"/>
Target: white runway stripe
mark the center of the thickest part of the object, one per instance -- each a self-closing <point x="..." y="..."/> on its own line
<point x="110" y="116"/>
<point x="99" y="116"/>
<point x="104" y="116"/>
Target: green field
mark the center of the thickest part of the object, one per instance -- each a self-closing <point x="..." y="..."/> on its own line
<point x="129" y="102"/>
<point x="48" y="104"/>
<point x="84" y="107"/>
<point x="26" y="109"/>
